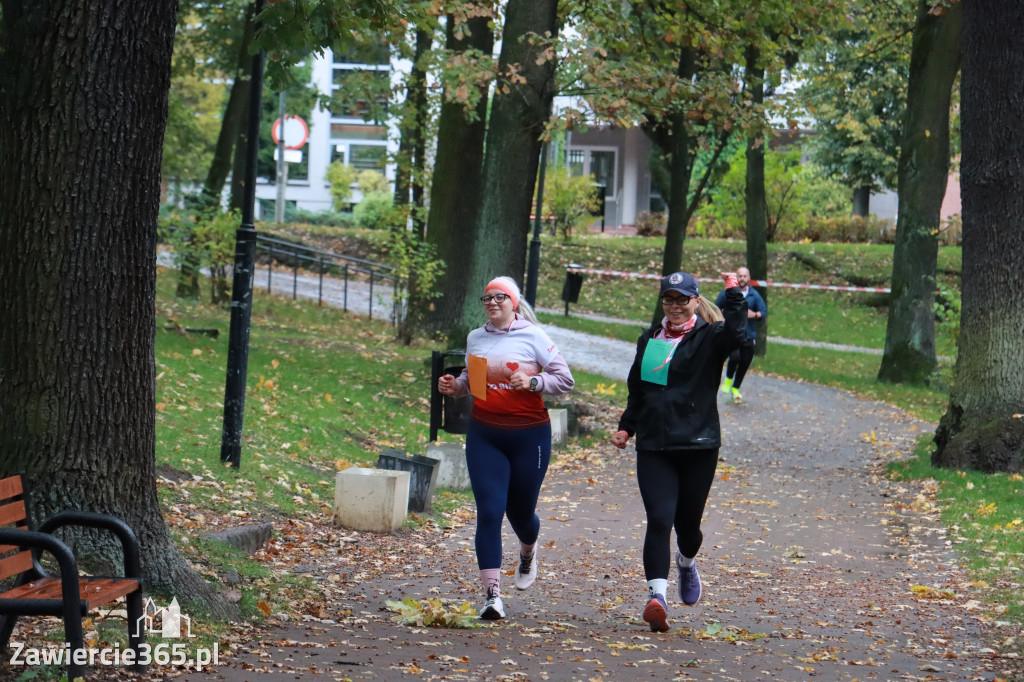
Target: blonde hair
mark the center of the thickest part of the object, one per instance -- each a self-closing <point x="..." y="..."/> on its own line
<point x="709" y="311"/>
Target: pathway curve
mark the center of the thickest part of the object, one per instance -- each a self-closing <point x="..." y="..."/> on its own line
<point x="815" y="566"/>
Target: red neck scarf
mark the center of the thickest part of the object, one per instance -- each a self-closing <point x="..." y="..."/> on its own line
<point x="677" y="331"/>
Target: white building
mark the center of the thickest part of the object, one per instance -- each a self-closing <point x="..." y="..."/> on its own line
<point x="617" y="158"/>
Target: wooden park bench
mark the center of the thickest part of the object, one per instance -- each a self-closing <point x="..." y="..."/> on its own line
<point x="37" y="592"/>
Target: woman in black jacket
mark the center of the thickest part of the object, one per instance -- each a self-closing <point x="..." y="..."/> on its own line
<point x="672" y="410"/>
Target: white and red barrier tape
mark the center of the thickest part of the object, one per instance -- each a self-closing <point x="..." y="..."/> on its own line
<point x="754" y="282"/>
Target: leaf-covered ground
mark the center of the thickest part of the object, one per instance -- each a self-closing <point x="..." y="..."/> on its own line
<point x="815" y="566"/>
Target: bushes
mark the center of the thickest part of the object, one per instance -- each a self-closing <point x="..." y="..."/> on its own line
<point x="571" y="200"/>
<point x="376" y="211"/>
<point x="651" y="224"/>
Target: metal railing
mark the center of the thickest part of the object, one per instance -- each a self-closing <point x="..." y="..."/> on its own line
<point x="326" y="263"/>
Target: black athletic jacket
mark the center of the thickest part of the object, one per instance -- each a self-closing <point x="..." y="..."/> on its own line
<point x="683" y="415"/>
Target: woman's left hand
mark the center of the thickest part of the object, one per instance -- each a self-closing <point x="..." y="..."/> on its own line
<point x="519" y="380"/>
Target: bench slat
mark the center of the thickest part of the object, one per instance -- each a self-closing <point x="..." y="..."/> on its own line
<point x="10" y="487"/>
<point x="12" y="512"/>
<point x="97" y="594"/>
<point x="13" y="565"/>
<point x="94" y="591"/>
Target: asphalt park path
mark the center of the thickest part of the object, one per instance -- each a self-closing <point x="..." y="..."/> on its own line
<point x="808" y="563"/>
<point x="810" y="555"/>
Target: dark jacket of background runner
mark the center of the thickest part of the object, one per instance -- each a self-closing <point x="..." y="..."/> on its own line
<point x="683" y="414"/>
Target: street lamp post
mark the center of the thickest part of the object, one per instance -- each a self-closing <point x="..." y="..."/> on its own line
<point x="241" y="287"/>
<point x="533" y="267"/>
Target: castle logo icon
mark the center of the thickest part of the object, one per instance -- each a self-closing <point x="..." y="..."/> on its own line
<point x="173" y="624"/>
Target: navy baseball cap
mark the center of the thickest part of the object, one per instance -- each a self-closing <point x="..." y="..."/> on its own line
<point x="681" y="282"/>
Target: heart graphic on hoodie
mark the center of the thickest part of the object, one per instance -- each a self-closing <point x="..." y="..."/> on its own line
<point x="512" y="365"/>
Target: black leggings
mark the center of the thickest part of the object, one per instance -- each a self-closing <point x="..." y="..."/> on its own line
<point x="739" y="361"/>
<point x="674" y="487"/>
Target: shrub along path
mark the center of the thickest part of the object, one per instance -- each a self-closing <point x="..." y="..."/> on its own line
<point x="814" y="565"/>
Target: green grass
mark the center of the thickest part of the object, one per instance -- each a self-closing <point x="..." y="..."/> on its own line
<point x="328" y="390"/>
<point x="851" y="318"/>
<point x="986" y="526"/>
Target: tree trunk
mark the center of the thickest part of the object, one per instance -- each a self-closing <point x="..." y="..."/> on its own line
<point x="982" y="428"/>
<point x="233" y="118"/>
<point x="923" y="171"/>
<point x="409" y="175"/>
<point x="424" y="42"/>
<point x="756" y="196"/>
<point x="455" y="192"/>
<point x="861" y="201"/>
<point x="519" y="113"/>
<point x="82" y="118"/>
<point x="680" y="171"/>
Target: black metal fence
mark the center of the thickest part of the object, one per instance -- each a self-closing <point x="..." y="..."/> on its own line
<point x="326" y="265"/>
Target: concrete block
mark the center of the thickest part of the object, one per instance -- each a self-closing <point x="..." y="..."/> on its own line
<point x="559" y="427"/>
<point x="453" y="472"/>
<point x="572" y="410"/>
<point x="422" y="475"/>
<point x="373" y="500"/>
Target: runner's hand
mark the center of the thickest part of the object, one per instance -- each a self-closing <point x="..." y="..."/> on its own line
<point x="446" y="384"/>
<point x="519" y="380"/>
<point x="619" y="439"/>
<point x="730" y="280"/>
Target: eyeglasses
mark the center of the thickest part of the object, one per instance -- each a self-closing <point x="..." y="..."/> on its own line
<point x="497" y="298"/>
<point x="676" y="300"/>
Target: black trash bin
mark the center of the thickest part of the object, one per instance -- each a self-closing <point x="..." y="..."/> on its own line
<point x="571" y="287"/>
<point x="447" y="413"/>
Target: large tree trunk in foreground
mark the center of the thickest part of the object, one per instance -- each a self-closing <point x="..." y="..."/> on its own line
<point x="82" y="116"/>
<point x="982" y="428"/>
<point x="923" y="170"/>
<point x="455" y="191"/>
<point x="756" y="196"/>
<point x="519" y="112"/>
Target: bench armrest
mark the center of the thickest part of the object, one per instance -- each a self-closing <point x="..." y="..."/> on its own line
<point x="129" y="542"/>
<point x="37" y="542"/>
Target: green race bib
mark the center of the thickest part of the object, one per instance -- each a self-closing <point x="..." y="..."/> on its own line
<point x="657" y="356"/>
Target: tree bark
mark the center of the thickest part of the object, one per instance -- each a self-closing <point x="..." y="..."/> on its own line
<point x="82" y="118"/>
<point x="681" y="172"/>
<point x="923" y="171"/>
<point x="982" y="428"/>
<point x="756" y="196"/>
<point x="455" y="191"/>
<point x="409" y="174"/>
<point x="519" y="113"/>
<point x="233" y="118"/>
<point x="861" y="201"/>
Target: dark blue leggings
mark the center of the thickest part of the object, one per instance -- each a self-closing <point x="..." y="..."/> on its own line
<point x="506" y="468"/>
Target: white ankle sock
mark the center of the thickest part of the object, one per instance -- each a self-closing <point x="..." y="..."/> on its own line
<point x="685" y="562"/>
<point x="527" y="550"/>
<point x="657" y="586"/>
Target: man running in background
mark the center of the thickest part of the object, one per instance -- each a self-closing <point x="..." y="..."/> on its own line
<point x="739" y="359"/>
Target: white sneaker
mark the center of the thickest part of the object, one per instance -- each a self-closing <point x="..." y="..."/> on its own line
<point x="493" y="608"/>
<point x="526" y="571"/>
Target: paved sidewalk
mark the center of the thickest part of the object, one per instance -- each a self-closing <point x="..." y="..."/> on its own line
<point x="809" y="560"/>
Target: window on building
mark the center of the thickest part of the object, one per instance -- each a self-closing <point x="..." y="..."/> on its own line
<point x="600" y="163"/>
<point x="367" y="157"/>
<point x="602" y="167"/>
<point x="360" y="93"/>
<point x="574" y="159"/>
